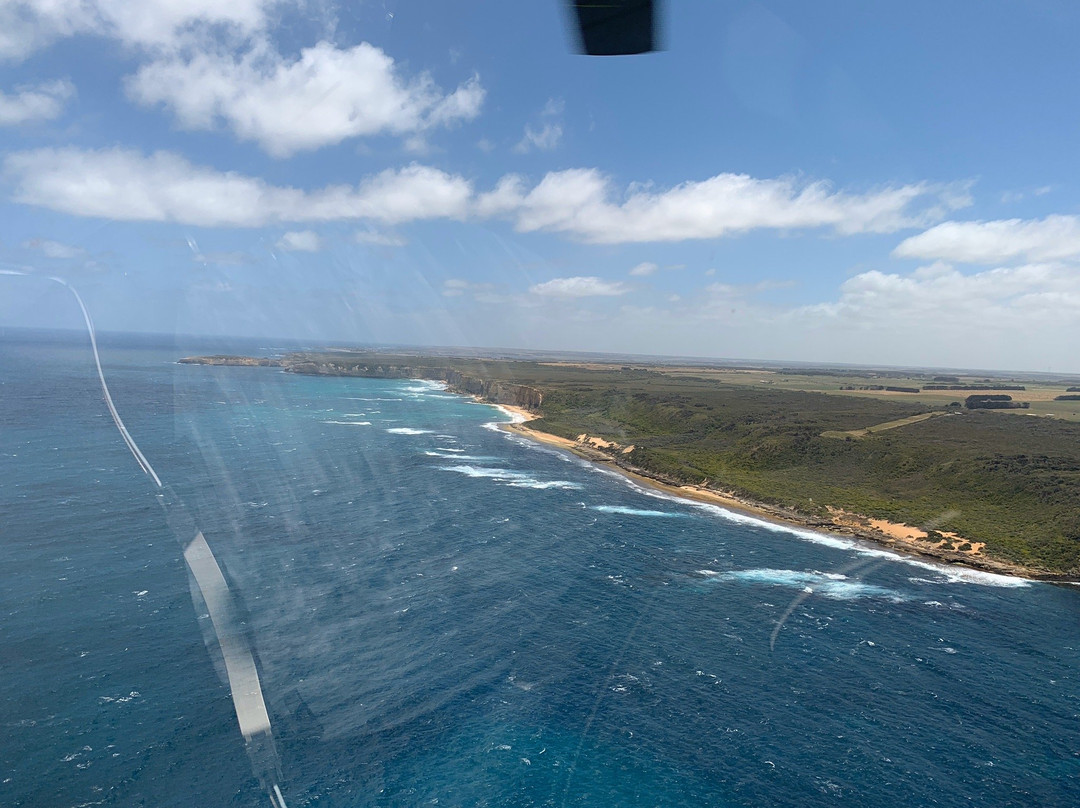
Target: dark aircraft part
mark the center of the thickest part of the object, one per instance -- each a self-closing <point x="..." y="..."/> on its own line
<point x="617" y="27"/>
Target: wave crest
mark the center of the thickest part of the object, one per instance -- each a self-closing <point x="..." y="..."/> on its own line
<point x="514" y="479"/>
<point x="625" y="511"/>
<point x="827" y="584"/>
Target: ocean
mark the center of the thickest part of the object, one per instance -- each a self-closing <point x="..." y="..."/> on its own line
<point x="447" y="614"/>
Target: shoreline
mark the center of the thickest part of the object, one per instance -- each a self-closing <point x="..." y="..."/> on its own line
<point x="894" y="536"/>
<point x="945" y="549"/>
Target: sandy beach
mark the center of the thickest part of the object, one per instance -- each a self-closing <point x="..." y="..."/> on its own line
<point x="899" y="537"/>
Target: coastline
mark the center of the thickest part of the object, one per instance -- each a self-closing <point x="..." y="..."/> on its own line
<point x="897" y="537"/>
<point x="945" y="549"/>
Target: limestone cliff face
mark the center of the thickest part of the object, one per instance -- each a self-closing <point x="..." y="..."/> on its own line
<point x="514" y="395"/>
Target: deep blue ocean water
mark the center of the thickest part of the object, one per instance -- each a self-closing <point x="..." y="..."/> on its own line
<point x="445" y="614"/>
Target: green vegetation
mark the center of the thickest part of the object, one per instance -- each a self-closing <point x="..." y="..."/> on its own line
<point x="1014" y="482"/>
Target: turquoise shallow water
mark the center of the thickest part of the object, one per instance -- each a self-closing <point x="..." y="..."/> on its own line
<point x="445" y="614"/>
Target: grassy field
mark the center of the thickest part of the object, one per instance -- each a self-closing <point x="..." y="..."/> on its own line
<point x="1040" y="392"/>
<point x="1010" y="480"/>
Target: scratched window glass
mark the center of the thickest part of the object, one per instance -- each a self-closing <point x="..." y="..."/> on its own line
<point x="554" y="404"/>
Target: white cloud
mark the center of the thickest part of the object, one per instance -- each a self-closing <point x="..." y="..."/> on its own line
<point x="212" y="65"/>
<point x="323" y="97"/>
<point x="1025" y="317"/>
<point x="28" y="25"/>
<point x="455" y="287"/>
<point x="125" y="185"/>
<point x="1008" y="301"/>
<point x="300" y="241"/>
<point x="227" y="258"/>
<point x="54" y="249"/>
<point x="742" y="290"/>
<point x="417" y="144"/>
<point x="480" y="292"/>
<point x="644" y="269"/>
<point x="579" y="287"/>
<point x="1009" y="197"/>
<point x="461" y="105"/>
<point x="553" y="107"/>
<point x="1014" y="318"/>
<point x="1051" y="239"/>
<point x="579" y="202"/>
<point x="547" y="135"/>
<point x="723" y="290"/>
<point x="31" y="103"/>
<point x="379" y="239"/>
<point x="545" y="138"/>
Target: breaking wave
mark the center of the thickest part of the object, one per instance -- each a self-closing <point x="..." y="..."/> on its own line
<point x="620" y="509"/>
<point x="473" y="458"/>
<point x="962" y="575"/>
<point x="828" y="584"/>
<point x="514" y="479"/>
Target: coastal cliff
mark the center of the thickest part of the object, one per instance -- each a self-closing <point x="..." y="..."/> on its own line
<point x="495" y="392"/>
<point x="514" y="395"/>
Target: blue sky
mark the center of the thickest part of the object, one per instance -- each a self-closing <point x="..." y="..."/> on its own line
<point x="842" y="182"/>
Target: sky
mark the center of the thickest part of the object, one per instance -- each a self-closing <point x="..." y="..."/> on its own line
<point x="887" y="184"/>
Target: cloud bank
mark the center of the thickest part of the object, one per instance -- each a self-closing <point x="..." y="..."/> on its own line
<point x="1054" y="238"/>
<point x="33" y="103"/>
<point x="582" y="204"/>
<point x="126" y="185"/>
<point x="324" y="96"/>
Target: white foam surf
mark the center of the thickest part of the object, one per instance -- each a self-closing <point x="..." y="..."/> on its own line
<point x="422" y="386"/>
<point x="349" y="423"/>
<point x="459" y="457"/>
<point x="827" y="584"/>
<point x="514" y="417"/>
<point x="963" y="575"/>
<point x="514" y="479"/>
<point x="543" y="485"/>
<point x="407" y="430"/>
<point x="625" y="511"/>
